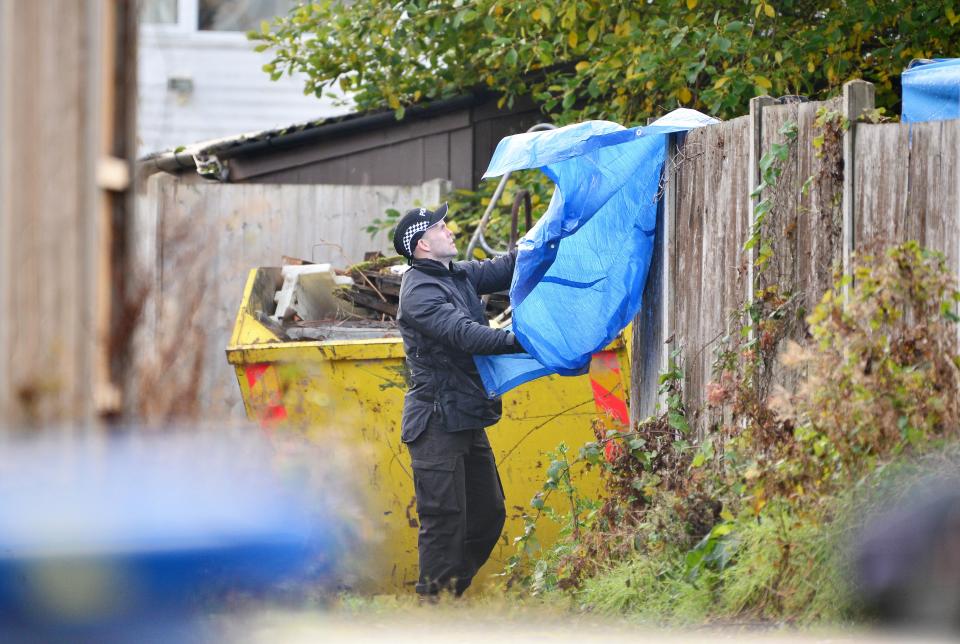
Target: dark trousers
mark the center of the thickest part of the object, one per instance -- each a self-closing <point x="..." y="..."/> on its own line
<point x="460" y="505"/>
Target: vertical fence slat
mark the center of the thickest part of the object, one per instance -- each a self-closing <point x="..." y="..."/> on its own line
<point x="951" y="144"/>
<point x="756" y="137"/>
<point x="647" y="339"/>
<point x="712" y="205"/>
<point x="668" y="294"/>
<point x="819" y="216"/>
<point x="858" y="96"/>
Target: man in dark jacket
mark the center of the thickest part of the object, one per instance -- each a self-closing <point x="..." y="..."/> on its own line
<point x="442" y="322"/>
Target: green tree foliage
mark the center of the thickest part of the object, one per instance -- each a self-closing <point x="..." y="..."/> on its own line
<point x="596" y="59"/>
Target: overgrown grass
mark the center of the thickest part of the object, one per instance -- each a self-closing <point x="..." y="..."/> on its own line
<point x="651" y="588"/>
<point x="786" y="570"/>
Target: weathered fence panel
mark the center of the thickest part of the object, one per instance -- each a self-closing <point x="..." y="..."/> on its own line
<point x="711" y="228"/>
<point x="907" y="185"/>
<point x="195" y="244"/>
<point x="819" y="216"/>
<point x="881" y="186"/>
<point x="803" y="231"/>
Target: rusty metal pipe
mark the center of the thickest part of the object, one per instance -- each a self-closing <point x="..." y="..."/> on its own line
<point x="522" y="197"/>
<point x="478" y="237"/>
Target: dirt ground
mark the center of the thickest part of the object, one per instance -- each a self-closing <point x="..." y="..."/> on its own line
<point x="449" y="625"/>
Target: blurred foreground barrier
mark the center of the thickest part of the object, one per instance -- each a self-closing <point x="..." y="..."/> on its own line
<point x="134" y="537"/>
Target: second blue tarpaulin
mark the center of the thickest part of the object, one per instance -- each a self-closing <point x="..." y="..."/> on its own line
<point x="581" y="269"/>
<point x="931" y="90"/>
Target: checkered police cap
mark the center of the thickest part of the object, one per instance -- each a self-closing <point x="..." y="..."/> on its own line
<point x="412" y="226"/>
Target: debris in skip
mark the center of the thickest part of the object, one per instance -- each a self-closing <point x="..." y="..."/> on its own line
<point x="320" y="302"/>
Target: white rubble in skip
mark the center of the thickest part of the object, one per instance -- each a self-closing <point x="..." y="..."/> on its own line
<point x="307" y="291"/>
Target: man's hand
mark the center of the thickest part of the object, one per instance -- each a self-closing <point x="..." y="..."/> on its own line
<point x="514" y="342"/>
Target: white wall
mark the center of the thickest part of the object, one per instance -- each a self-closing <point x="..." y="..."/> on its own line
<point x="231" y="94"/>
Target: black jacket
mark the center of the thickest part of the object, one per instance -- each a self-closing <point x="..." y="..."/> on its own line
<point x="442" y="322"/>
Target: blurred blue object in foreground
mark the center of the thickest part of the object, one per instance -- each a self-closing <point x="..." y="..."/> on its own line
<point x="124" y="537"/>
<point x="931" y="90"/>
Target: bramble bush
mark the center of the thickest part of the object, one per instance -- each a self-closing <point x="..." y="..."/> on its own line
<point x="736" y="528"/>
<point x="882" y="373"/>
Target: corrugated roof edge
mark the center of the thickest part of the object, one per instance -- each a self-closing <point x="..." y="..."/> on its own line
<point x="197" y="156"/>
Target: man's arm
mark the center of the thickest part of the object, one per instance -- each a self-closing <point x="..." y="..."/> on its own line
<point x="426" y="308"/>
<point x="492" y="275"/>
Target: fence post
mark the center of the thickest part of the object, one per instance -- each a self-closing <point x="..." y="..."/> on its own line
<point x="756" y="141"/>
<point x="858" y="96"/>
<point x="668" y="257"/>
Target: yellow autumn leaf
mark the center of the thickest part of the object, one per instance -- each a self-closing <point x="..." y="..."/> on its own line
<point x="536" y="14"/>
<point x="762" y="81"/>
<point x="582" y="66"/>
<point x="650" y="84"/>
<point x="592" y="33"/>
<point x="393" y="101"/>
<point x="768" y="9"/>
<point x="721" y="82"/>
<point x="573" y="39"/>
<point x="453" y="227"/>
<point x="758" y="504"/>
<point x="691" y="4"/>
<point x="811" y="67"/>
<point x="777" y="56"/>
<point x="684" y="95"/>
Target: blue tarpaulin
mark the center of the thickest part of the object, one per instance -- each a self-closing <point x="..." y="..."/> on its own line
<point x="931" y="91"/>
<point x="581" y="269"/>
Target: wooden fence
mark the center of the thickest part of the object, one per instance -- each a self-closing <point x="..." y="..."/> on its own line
<point x="903" y="185"/>
<point x="194" y="245"/>
<point x="67" y="99"/>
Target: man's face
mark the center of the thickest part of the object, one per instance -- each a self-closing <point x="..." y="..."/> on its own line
<point x="438" y="240"/>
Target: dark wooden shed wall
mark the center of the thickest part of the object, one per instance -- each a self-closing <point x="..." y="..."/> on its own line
<point x="456" y="145"/>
